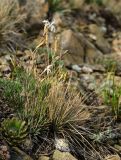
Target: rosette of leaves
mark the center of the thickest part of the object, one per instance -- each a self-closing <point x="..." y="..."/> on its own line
<point x="14" y="131"/>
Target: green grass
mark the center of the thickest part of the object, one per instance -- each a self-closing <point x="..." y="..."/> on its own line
<point x="34" y="110"/>
<point x="112" y="96"/>
<point x="11" y="92"/>
<point x="54" y="5"/>
<point x="110" y="64"/>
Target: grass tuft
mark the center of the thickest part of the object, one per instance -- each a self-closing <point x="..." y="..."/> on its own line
<point x="112" y="95"/>
<point x="54" y="5"/>
<point x="11" y="20"/>
<point x="66" y="115"/>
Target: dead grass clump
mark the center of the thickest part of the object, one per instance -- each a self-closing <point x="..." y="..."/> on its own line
<point x="10" y="23"/>
<point x="67" y="116"/>
<point x="65" y="109"/>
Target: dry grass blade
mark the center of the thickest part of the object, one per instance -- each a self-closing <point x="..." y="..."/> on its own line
<point x="65" y="108"/>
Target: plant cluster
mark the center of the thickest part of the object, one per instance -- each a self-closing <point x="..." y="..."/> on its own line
<point x="47" y="109"/>
<point x="112" y="95"/>
<point x="14" y="131"/>
<point x="45" y="106"/>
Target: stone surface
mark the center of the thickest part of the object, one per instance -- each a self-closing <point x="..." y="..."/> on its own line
<point x="112" y="157"/>
<point x="75" y="50"/>
<point x="62" y="145"/>
<point x="118" y="147"/>
<point x="62" y="156"/>
<point x="100" y="42"/>
<point x="78" y="48"/>
<point x="88" y="81"/>
<point x="43" y="158"/>
<point x="76" y="68"/>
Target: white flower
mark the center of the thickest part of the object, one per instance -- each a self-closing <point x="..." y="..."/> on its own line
<point x="46" y="23"/>
<point x="50" y="25"/>
<point x="48" y="69"/>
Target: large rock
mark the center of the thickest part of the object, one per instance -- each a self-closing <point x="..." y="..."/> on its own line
<point x="71" y="44"/>
<point x="62" y="156"/>
<point x="78" y="48"/>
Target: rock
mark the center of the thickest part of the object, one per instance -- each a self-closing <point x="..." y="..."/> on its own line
<point x="103" y="45"/>
<point x="95" y="29"/>
<point x="112" y="157"/>
<point x="101" y="42"/>
<point x="76" y="68"/>
<point x="43" y="158"/>
<point x="118" y="147"/>
<point x="61" y="145"/>
<point x="62" y="156"/>
<point x="83" y="69"/>
<point x="88" y="81"/>
<point x="75" y="50"/>
<point x="86" y="69"/>
<point x="92" y="54"/>
<point x="98" y="68"/>
<point x="78" y="48"/>
<point x="87" y="78"/>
